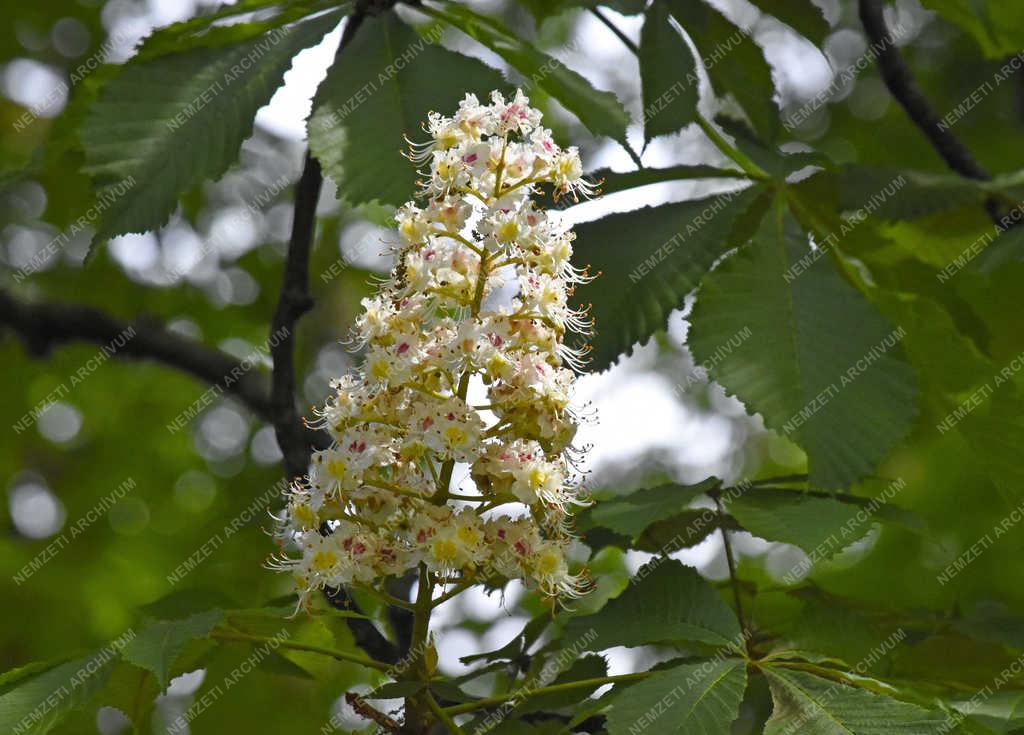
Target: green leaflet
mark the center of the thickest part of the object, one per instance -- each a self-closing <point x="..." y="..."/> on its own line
<point x="132" y="690"/>
<point x="162" y="126"/>
<point x="201" y="31"/>
<point x="692" y="699"/>
<point x="803" y="16"/>
<point x="666" y="603"/>
<point x="810" y="705"/>
<point x="601" y="112"/>
<point x="36" y="698"/>
<point x="613" y="181"/>
<point x="816" y="360"/>
<point x="632" y="514"/>
<point x="734" y="63"/>
<point x="160" y="642"/>
<point x="541" y="10"/>
<point x="668" y="76"/>
<point x="898" y="194"/>
<point x="651" y="259"/>
<point x="820" y="526"/>
<point x="382" y="89"/>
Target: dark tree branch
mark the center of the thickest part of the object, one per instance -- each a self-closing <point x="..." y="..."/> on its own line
<point x="900" y="82"/>
<point x="293" y="302"/>
<point x="902" y="86"/>
<point x="45" y="325"/>
<point x="401" y="619"/>
<point x="731" y="561"/>
<point x="364" y="632"/>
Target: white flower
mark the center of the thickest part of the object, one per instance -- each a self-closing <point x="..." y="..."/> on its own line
<point x="382" y="499"/>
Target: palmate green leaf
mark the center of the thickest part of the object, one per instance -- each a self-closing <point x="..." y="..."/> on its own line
<point x="803" y="16"/>
<point x="161" y="127"/>
<point x="735" y="64"/>
<point x="691" y="699"/>
<point x="809" y="705"/>
<point x="668" y="603"/>
<point x="820" y="526"/>
<point x="160" y="642"/>
<point x="36" y="698"/>
<point x="382" y="90"/>
<point x="668" y="76"/>
<point x="651" y="259"/>
<point x="632" y="514"/>
<point x="601" y="112"/>
<point x="818" y="361"/>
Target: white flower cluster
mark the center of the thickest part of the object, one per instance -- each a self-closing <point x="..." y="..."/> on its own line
<point x="381" y="500"/>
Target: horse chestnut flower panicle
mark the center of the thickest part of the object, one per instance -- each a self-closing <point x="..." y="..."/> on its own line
<point x="381" y="500"/>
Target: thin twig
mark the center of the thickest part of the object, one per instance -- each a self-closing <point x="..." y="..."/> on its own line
<point x="45" y="325"/>
<point x="902" y="86"/>
<point x="900" y="82"/>
<point x="364" y="632"/>
<point x="446" y="719"/>
<point x="293" y="302"/>
<point x="626" y="40"/>
<point x="294" y="299"/>
<point x="731" y="561"/>
<point x="635" y="50"/>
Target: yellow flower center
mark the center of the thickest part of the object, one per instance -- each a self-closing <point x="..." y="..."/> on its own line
<point x="548" y="563"/>
<point x="304" y="516"/>
<point x="324" y="560"/>
<point x="469" y="536"/>
<point x="445" y="549"/>
<point x="412" y="451"/>
<point x="380" y="369"/>
<point x="410" y="230"/>
<point x="508" y="231"/>
<point x="455" y="436"/>
<point x="447" y="139"/>
<point x="336" y="468"/>
<point x="497" y="364"/>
